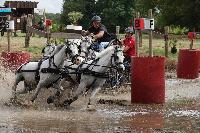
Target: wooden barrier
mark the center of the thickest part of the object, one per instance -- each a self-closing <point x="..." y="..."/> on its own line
<point x="36" y="31"/>
<point x="65" y="35"/>
<point x="47" y="35"/>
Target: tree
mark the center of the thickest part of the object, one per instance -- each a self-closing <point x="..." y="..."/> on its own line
<point x="185" y="13"/>
<point x="115" y="13"/>
<point x="86" y="7"/>
<point x="74" y="17"/>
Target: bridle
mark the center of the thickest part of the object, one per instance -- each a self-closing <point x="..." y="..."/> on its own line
<point x="69" y="52"/>
<point x="50" y="46"/>
<point x="114" y="58"/>
<point x="84" y="53"/>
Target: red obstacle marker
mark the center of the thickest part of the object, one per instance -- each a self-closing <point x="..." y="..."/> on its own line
<point x="13" y="60"/>
<point x="188" y="64"/>
<point x="191" y="35"/>
<point x="148" y="80"/>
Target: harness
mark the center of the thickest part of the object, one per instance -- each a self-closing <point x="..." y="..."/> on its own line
<point x="86" y="71"/>
<point x="55" y="70"/>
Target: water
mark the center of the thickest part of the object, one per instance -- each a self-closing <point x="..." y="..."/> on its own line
<point x="180" y="113"/>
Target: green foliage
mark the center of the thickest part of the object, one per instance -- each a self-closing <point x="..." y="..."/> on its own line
<point x="112" y="12"/>
<point x="54" y="17"/>
<point x="173" y="43"/>
<point x="185" y="13"/>
<point x="55" y="27"/>
<point x="74" y="17"/>
<point x="122" y="13"/>
<point x="178" y="30"/>
<point x="83" y="6"/>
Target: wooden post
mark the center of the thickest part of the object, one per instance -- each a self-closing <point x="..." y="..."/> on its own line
<point x="137" y="15"/>
<point x="191" y="44"/>
<point x="27" y="39"/>
<point x="117" y="31"/>
<point x="48" y="34"/>
<point x="166" y="38"/>
<point x="28" y="33"/>
<point x="192" y="40"/>
<point x="8" y="35"/>
<point x="150" y="35"/>
<point x="140" y="38"/>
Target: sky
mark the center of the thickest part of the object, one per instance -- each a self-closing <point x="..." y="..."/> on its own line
<point x="50" y="6"/>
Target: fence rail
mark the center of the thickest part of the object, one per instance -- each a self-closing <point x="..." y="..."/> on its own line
<point x="53" y="35"/>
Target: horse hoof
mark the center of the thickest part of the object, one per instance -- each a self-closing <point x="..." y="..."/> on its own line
<point x="50" y="99"/>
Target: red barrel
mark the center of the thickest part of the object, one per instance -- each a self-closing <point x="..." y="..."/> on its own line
<point x="13" y="60"/>
<point x="148" y="80"/>
<point x="188" y="64"/>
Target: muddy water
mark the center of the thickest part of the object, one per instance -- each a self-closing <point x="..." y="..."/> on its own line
<point x="114" y="112"/>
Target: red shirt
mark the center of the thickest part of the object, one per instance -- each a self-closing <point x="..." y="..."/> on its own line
<point x="130" y="42"/>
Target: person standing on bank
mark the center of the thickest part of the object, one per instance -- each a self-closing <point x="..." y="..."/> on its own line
<point x="99" y="33"/>
<point x="129" y="49"/>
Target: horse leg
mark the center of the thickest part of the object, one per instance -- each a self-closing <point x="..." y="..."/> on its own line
<point x="18" y="78"/>
<point x="96" y="89"/>
<point x="56" y="97"/>
<point x="78" y="91"/>
<point x="94" y="92"/>
<point x="24" y="90"/>
<point x="39" y="86"/>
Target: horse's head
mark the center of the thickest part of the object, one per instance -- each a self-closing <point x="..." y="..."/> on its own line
<point x="118" y="57"/>
<point x="85" y="44"/>
<point x="83" y="49"/>
<point x="72" y="50"/>
<point x="48" y="50"/>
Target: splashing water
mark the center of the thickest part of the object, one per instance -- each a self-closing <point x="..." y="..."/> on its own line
<point x="6" y="82"/>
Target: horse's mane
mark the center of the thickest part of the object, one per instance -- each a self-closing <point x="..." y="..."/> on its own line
<point x="58" y="48"/>
<point x="105" y="51"/>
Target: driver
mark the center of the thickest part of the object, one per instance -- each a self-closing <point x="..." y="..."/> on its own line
<point x="98" y="33"/>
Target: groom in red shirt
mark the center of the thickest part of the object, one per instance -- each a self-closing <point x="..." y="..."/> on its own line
<point x="129" y="43"/>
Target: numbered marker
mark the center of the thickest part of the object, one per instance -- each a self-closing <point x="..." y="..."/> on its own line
<point x="148" y="24"/>
<point x="10" y="25"/>
<point x="138" y="23"/>
<point x="7" y="25"/>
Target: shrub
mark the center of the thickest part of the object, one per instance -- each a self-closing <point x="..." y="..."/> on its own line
<point x="74" y="17"/>
<point x="178" y="30"/>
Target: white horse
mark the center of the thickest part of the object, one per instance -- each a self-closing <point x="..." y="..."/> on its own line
<point x="77" y="41"/>
<point x="30" y="72"/>
<point x="94" y="71"/>
<point x="86" y="53"/>
<point x="85" y="50"/>
<point x="50" y="69"/>
<point x="48" y="50"/>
